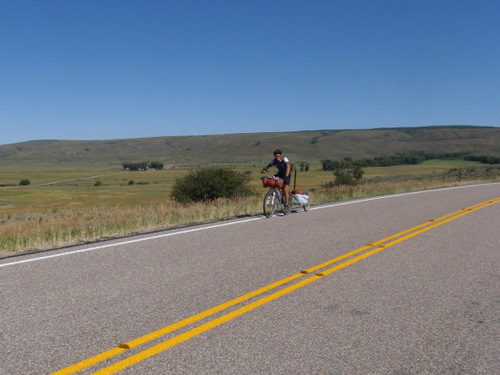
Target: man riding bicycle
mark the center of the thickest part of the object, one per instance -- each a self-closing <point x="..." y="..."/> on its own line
<point x="283" y="164"/>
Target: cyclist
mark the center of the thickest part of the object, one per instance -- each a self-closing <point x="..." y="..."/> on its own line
<point x="283" y="164"/>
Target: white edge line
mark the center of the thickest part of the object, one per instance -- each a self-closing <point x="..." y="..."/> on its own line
<point x="226" y="224"/>
<point x="127" y="242"/>
<point x="361" y="200"/>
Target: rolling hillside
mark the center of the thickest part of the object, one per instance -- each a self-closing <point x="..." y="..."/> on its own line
<point x="311" y="146"/>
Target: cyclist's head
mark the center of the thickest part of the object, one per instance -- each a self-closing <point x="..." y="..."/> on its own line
<point x="277" y="152"/>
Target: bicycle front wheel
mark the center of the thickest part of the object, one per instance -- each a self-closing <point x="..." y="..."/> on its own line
<point x="270" y="202"/>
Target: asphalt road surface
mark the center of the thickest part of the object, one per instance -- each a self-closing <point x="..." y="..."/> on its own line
<point x="402" y="284"/>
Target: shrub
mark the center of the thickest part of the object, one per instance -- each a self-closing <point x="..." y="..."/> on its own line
<point x="304" y="165"/>
<point x="349" y="175"/>
<point x="98" y="183"/>
<point x="346" y="172"/>
<point x="24" y="182"/>
<point x="209" y="184"/>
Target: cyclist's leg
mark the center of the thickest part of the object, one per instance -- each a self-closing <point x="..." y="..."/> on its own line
<point x="286" y="189"/>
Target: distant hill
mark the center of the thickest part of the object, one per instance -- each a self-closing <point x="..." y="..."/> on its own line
<point x="311" y="146"/>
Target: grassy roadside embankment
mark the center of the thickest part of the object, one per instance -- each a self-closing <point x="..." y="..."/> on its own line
<point x="68" y="206"/>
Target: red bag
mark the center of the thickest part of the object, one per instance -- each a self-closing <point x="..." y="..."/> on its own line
<point x="272" y="182"/>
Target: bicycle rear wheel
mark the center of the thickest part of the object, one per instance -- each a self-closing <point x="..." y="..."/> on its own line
<point x="270" y="203"/>
<point x="307" y="205"/>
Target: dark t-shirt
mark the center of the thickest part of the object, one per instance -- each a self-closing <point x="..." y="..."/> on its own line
<point x="281" y="165"/>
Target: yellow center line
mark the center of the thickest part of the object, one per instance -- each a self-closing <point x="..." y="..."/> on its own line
<point x="156" y="349"/>
<point x="435" y="224"/>
<point x="202" y="328"/>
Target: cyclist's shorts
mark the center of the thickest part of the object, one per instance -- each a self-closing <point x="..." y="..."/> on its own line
<point x="286" y="180"/>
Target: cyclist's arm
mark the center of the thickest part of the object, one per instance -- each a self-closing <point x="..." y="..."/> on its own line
<point x="264" y="170"/>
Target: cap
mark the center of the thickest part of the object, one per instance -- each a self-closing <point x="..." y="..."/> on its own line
<point x="277" y="152"/>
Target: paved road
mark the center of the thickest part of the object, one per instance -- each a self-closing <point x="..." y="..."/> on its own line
<point x="425" y="301"/>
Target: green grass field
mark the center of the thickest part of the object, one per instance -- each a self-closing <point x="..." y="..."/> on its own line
<point x="65" y="206"/>
<point x="79" y="192"/>
<point x="429" y="166"/>
<point x="54" y="189"/>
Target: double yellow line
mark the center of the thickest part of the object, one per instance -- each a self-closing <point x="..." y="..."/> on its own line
<point x="306" y="277"/>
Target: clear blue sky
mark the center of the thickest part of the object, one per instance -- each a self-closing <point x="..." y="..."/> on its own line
<point x="110" y="69"/>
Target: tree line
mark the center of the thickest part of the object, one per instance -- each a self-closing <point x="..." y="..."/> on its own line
<point x="484" y="159"/>
<point x="407" y="158"/>
<point x="142" y="166"/>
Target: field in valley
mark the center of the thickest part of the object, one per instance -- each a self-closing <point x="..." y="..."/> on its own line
<point x="61" y="188"/>
<point x="65" y="206"/>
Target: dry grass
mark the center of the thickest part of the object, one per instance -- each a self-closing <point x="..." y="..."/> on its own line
<point x="23" y="231"/>
<point x="69" y="227"/>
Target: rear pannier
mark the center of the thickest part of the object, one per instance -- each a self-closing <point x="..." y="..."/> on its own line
<point x="300" y="199"/>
